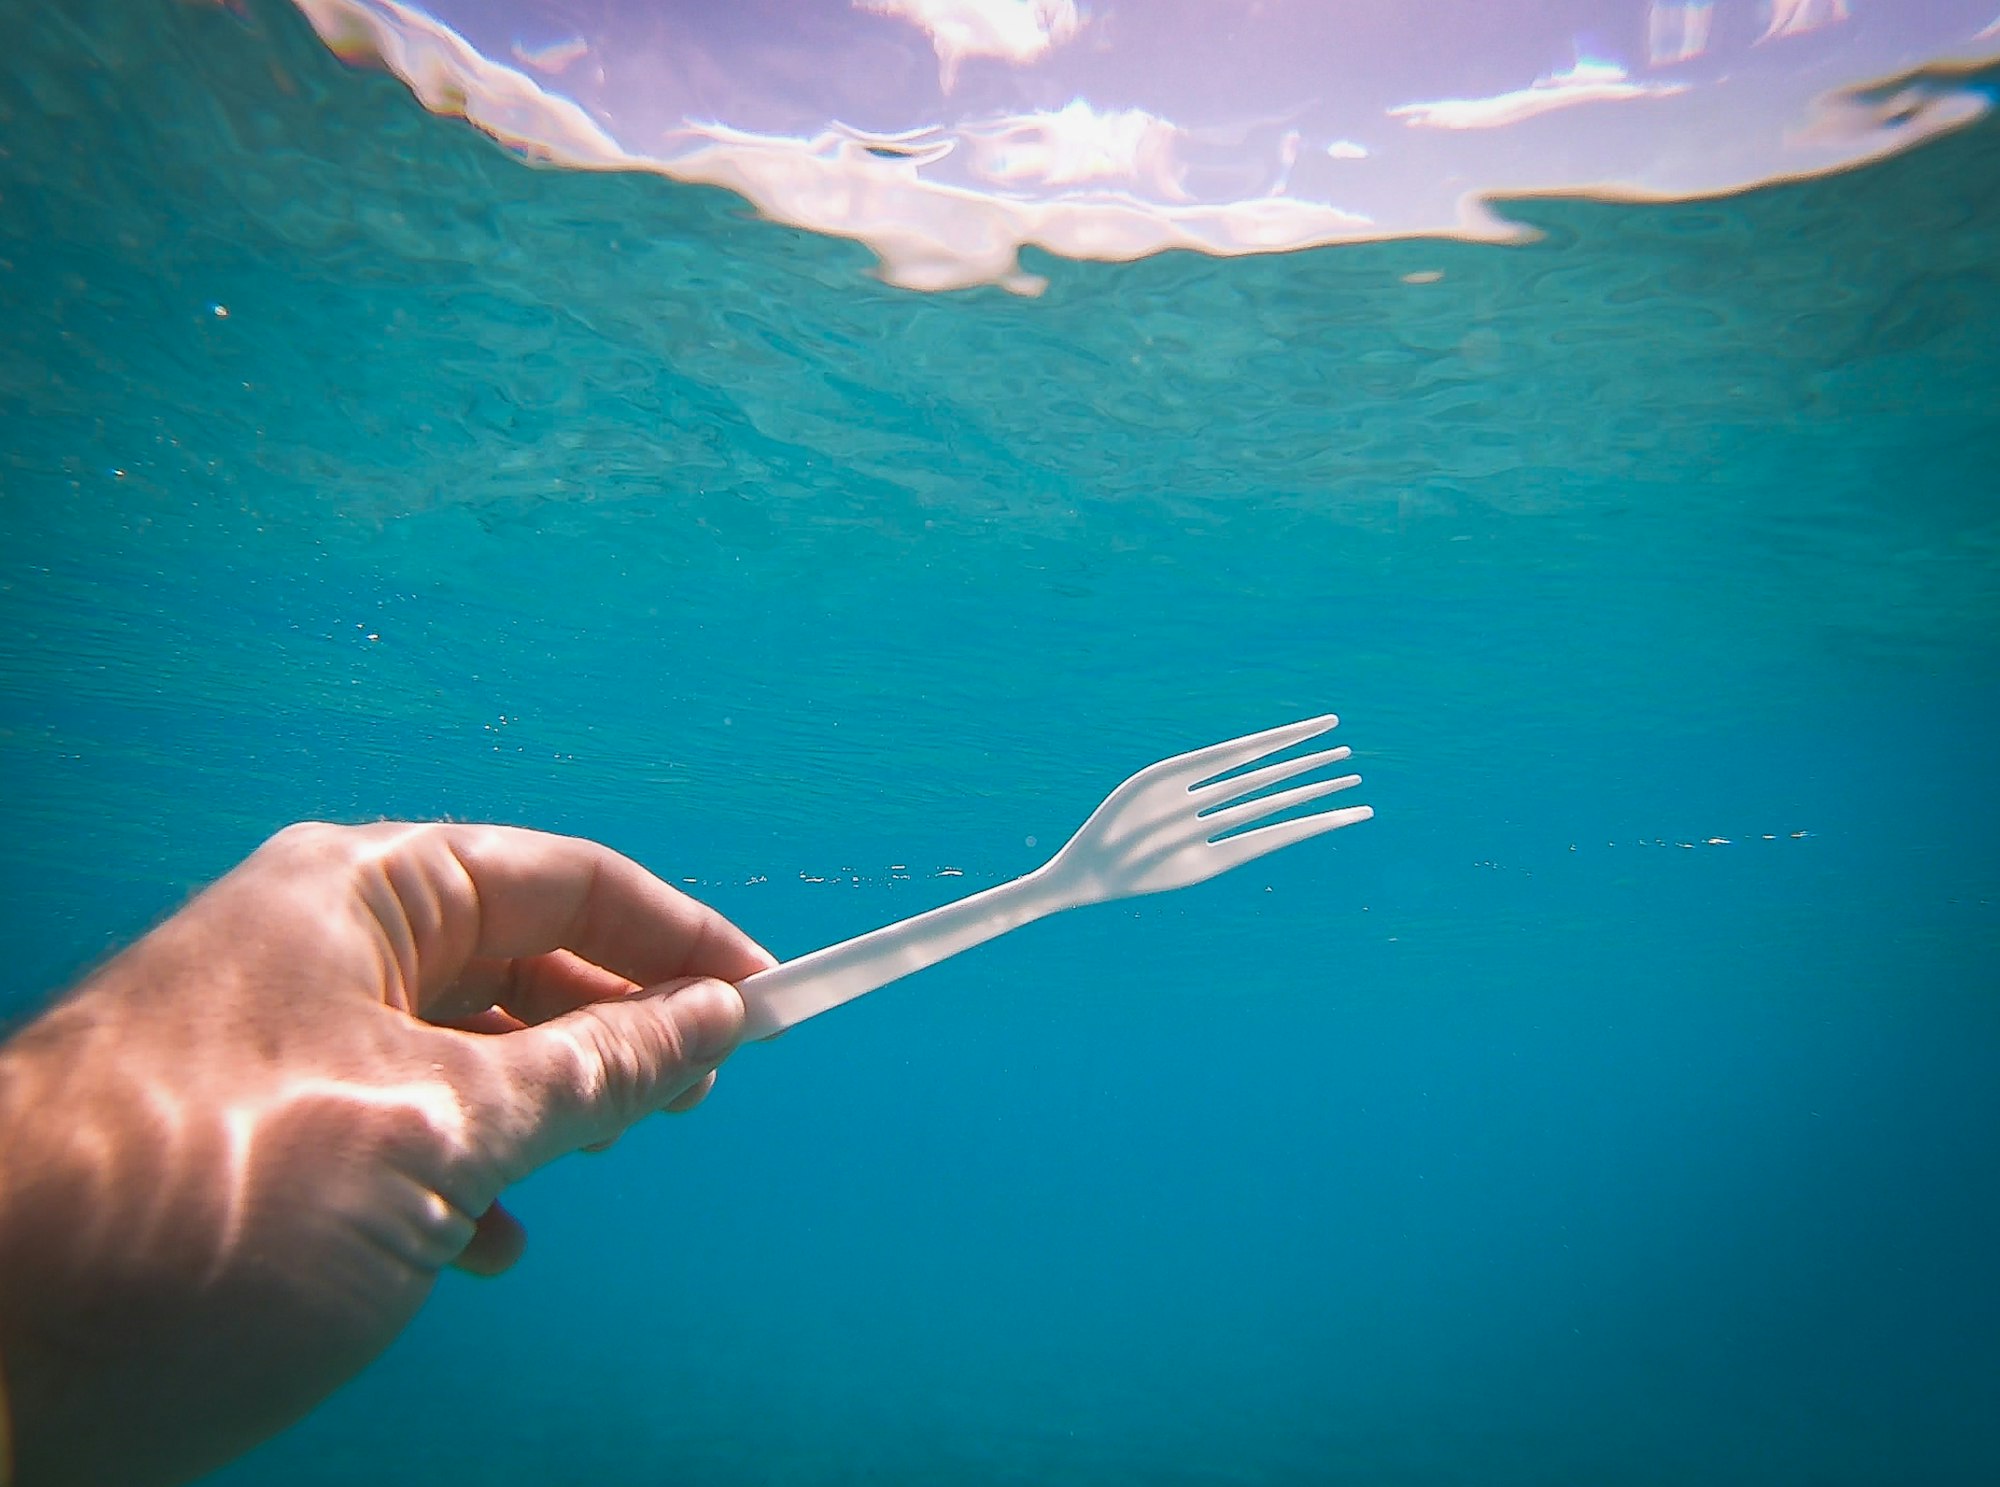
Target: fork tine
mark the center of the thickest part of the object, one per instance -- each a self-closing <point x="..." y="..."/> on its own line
<point x="1253" y="844"/>
<point x="1237" y="786"/>
<point x="1230" y="816"/>
<point x="1203" y="764"/>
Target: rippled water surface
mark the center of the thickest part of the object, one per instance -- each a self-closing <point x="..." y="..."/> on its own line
<point x="1618" y="1106"/>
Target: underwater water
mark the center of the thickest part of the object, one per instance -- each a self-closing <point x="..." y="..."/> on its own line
<point x="1621" y="1105"/>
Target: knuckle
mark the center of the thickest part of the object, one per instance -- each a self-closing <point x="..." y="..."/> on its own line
<point x="303" y="836"/>
<point x="630" y="1056"/>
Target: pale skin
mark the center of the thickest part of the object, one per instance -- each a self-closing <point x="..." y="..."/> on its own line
<point x="234" y="1161"/>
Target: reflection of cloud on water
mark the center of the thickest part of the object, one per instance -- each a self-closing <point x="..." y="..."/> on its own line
<point x="1864" y="123"/>
<point x="1586" y="82"/>
<point x="933" y="236"/>
<point x="449" y="76"/>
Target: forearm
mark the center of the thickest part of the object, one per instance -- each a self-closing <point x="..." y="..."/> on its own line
<point x="6" y="1431"/>
<point x="44" y="1224"/>
<point x="130" y="1324"/>
<point x="103" y="1246"/>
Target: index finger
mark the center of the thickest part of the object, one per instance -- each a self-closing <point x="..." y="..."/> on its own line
<point x="529" y="892"/>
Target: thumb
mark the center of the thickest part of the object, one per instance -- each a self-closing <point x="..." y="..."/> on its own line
<point x="586" y="1076"/>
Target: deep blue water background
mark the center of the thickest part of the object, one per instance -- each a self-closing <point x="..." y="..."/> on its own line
<point x="1518" y="1136"/>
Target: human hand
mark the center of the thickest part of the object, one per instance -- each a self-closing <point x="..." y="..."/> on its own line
<point x="233" y="1162"/>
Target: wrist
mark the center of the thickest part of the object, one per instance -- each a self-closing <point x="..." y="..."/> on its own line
<point x="6" y="1432"/>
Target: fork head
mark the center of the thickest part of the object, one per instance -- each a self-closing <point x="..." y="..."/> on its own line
<point x="1176" y="823"/>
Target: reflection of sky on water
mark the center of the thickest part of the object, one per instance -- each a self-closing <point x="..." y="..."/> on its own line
<point x="946" y="133"/>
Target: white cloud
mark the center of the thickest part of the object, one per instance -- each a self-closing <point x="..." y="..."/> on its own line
<point x="1587" y="82"/>
<point x="1016" y="31"/>
<point x="553" y="58"/>
<point x="1076" y="144"/>
<point x="1796" y="17"/>
<point x="1677" y="30"/>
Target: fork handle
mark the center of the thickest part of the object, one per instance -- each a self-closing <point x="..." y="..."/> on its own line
<point x="788" y="994"/>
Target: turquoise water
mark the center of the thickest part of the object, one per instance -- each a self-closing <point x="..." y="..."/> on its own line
<point x="1522" y="1135"/>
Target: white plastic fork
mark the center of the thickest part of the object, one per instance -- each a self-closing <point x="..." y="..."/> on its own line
<point x="1172" y="824"/>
